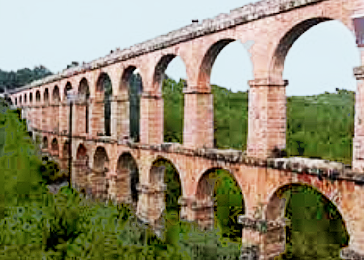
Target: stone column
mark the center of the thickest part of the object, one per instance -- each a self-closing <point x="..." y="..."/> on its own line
<point x="122" y="186"/>
<point x="96" y="116"/>
<point x="200" y="210"/>
<point x="198" y="120"/>
<point x="122" y="115"/>
<point x="55" y="118"/>
<point x="151" y="201"/>
<point x="151" y="119"/>
<point x="261" y="239"/>
<point x="267" y="116"/>
<point x="38" y="117"/>
<point x="358" y="140"/>
<point x="44" y="125"/>
<point x="63" y="117"/>
<point x="113" y="118"/>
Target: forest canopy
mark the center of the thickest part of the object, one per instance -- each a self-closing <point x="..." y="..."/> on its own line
<point x="22" y="77"/>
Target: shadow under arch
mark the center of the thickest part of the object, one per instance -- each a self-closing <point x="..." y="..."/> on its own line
<point x="220" y="195"/>
<point x="130" y="91"/>
<point x="55" y="95"/>
<point x="98" y="177"/>
<point x="83" y="110"/>
<point x="46" y="96"/>
<point x="308" y="212"/>
<point x="81" y="166"/>
<point x="103" y="102"/>
<point x="127" y="179"/>
<point x="55" y="147"/>
<point x="163" y="175"/>
<point x="45" y="142"/>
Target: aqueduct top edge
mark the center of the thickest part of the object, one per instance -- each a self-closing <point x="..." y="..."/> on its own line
<point x="238" y="16"/>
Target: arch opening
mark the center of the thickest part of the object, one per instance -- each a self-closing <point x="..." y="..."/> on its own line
<point x="104" y="90"/>
<point x="37" y="97"/>
<point x="20" y="100"/>
<point x="131" y="88"/>
<point x="170" y="80"/>
<point x="127" y="179"/>
<point x="315" y="227"/>
<point x="221" y="193"/>
<point x="66" y="88"/>
<point x="164" y="177"/>
<point x="46" y="96"/>
<point x="101" y="160"/>
<point x="45" y="142"/>
<point x="56" y="96"/>
<point x="25" y="98"/>
<point x="100" y="168"/>
<point x="84" y="92"/>
<point x="55" y="147"/>
<point x="82" y="169"/>
<point x="319" y="94"/>
<point x="228" y="65"/>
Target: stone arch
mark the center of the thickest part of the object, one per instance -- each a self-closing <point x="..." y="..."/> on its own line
<point x="55" y="94"/>
<point x="131" y="88"/>
<point x="30" y="97"/>
<point x="207" y="207"/>
<point x="16" y="101"/>
<point x="205" y="67"/>
<point x="165" y="185"/>
<point x="276" y="206"/>
<point x="176" y="125"/>
<point x="20" y="100"/>
<point x="127" y="179"/>
<point x="160" y="68"/>
<point x="25" y="98"/>
<point x="81" y="167"/>
<point x="103" y="102"/>
<point x="45" y="142"/>
<point x="287" y="39"/>
<point x="37" y="97"/>
<point x="55" y="147"/>
<point x="46" y="97"/>
<point x="99" y="170"/>
<point x="66" y="88"/>
<point x="83" y="110"/>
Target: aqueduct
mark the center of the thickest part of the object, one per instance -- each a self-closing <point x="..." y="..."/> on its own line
<point x="110" y="165"/>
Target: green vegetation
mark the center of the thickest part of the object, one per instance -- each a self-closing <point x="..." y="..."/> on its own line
<point x="319" y="126"/>
<point x="12" y="80"/>
<point x="36" y="224"/>
<point x="316" y="229"/>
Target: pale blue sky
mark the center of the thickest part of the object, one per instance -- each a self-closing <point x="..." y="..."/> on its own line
<point x="55" y="33"/>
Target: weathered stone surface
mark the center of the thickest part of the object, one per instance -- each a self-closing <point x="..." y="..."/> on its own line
<point x="269" y="25"/>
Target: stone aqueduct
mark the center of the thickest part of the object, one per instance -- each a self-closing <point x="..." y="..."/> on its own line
<point x="273" y="26"/>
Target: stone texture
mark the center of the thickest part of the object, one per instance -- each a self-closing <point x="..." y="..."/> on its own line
<point x="269" y="25"/>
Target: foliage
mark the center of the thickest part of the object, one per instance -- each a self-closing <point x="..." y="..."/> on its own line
<point x="12" y="80"/>
<point x="174" y="110"/>
<point x="316" y="228"/>
<point x="319" y="126"/>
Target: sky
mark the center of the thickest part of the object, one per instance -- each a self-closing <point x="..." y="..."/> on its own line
<point x="55" y="33"/>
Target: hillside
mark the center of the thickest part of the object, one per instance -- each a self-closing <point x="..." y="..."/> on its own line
<point x="319" y="126"/>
